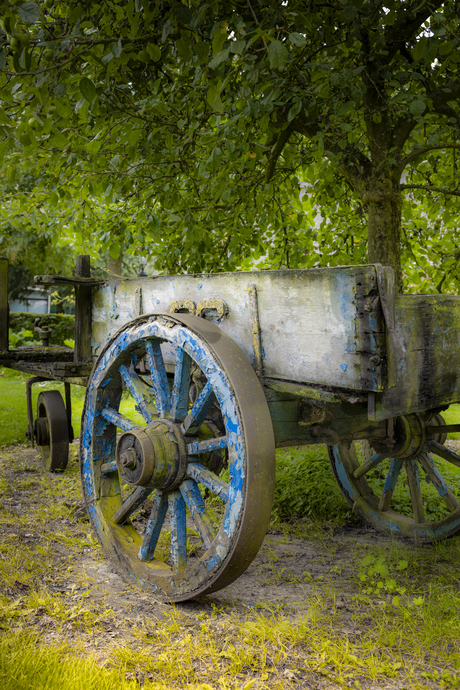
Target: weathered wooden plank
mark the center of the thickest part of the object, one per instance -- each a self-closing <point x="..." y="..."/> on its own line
<point x="428" y="327"/>
<point x="3" y="304"/>
<point x="83" y="311"/>
<point x="318" y="326"/>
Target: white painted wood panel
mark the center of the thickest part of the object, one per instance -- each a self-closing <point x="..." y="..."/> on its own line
<point x="308" y="318"/>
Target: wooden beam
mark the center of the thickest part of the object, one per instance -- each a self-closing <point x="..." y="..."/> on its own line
<point x="83" y="308"/>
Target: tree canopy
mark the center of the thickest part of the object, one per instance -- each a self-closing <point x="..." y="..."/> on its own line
<point x="196" y="125"/>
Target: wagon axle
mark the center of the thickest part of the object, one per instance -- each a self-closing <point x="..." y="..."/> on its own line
<point x="407" y="436"/>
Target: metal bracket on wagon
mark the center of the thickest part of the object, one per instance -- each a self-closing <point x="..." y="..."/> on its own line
<point x="211" y="308"/>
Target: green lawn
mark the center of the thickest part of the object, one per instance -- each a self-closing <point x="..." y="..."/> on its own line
<point x="13" y="408"/>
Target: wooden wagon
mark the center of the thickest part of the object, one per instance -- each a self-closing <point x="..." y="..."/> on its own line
<point x="223" y="368"/>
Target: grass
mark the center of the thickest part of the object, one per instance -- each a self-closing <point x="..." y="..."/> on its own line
<point x="400" y="624"/>
<point x="25" y="664"/>
<point x="13" y="409"/>
<point x="385" y="614"/>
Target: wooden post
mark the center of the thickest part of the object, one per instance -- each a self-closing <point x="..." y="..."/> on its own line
<point x="83" y="307"/>
<point x="4" y="304"/>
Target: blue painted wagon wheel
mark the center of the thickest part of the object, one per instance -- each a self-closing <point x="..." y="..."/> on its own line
<point x="161" y="515"/>
<point x="414" y="494"/>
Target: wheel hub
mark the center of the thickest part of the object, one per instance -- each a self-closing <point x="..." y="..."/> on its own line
<point x="409" y="433"/>
<point x="42" y="431"/>
<point x="154" y="455"/>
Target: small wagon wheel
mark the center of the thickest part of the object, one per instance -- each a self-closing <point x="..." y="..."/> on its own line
<point x="51" y="431"/>
<point x="161" y="515"/>
<point x="425" y="469"/>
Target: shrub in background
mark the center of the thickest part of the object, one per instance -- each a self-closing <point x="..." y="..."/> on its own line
<point x="305" y="485"/>
<point x="62" y="327"/>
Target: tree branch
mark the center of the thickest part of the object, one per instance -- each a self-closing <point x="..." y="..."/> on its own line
<point x="440" y="98"/>
<point x="443" y="95"/>
<point x="424" y="149"/>
<point x="404" y="28"/>
<point x="427" y="188"/>
<point x="276" y="151"/>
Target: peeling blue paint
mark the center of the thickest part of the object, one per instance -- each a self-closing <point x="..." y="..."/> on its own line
<point x="344" y="367"/>
<point x="100" y="415"/>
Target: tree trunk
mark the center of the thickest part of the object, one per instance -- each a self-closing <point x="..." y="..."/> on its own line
<point x="383" y="202"/>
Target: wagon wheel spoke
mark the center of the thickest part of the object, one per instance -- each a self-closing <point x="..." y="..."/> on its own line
<point x="132" y="503"/>
<point x="178" y="530"/>
<point x="390" y="484"/>
<point x="140" y="392"/>
<point x="207" y="446"/>
<point x="413" y="479"/>
<point x="444" y="452"/>
<point x="210" y="480"/>
<point x="179" y="395"/>
<point x="200" y="409"/>
<point x="434" y="477"/>
<point x="368" y="466"/>
<point x="109" y="467"/>
<point x="192" y="497"/>
<point x="159" y="377"/>
<point x="120" y="420"/>
<point x="154" y="525"/>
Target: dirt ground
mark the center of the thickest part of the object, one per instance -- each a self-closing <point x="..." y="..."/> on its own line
<point x="285" y="570"/>
<point x="284" y="576"/>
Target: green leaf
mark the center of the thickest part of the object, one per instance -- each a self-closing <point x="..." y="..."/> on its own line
<point x="417" y="107"/>
<point x="219" y="59"/>
<point x="237" y="47"/>
<point x="297" y="39"/>
<point x="277" y="55"/>
<point x="201" y="48"/>
<point x="88" y="90"/>
<point x="75" y="15"/>
<point x="184" y="47"/>
<point x="445" y="48"/>
<point x="218" y="40"/>
<point x="134" y="136"/>
<point x="29" y="12"/>
<point x="154" y="51"/>
<point x="117" y="48"/>
<point x="215" y="158"/>
<point x="213" y="98"/>
<point x="294" y="110"/>
<point x="2" y="58"/>
<point x="114" y="251"/>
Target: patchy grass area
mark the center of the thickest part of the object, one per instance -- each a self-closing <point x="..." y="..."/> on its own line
<point x="325" y="605"/>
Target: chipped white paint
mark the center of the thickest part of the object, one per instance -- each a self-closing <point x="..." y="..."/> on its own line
<point x="308" y="318"/>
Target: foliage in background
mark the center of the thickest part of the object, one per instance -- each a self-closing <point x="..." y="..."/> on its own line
<point x="62" y="326"/>
<point x="191" y="127"/>
<point x="306" y="487"/>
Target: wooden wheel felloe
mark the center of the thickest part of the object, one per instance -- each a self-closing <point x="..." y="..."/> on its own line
<point x="51" y="431"/>
<point x="415" y="493"/>
<point x="163" y="517"/>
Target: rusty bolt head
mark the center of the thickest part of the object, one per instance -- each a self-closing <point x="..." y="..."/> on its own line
<point x="128" y="459"/>
<point x="375" y="360"/>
